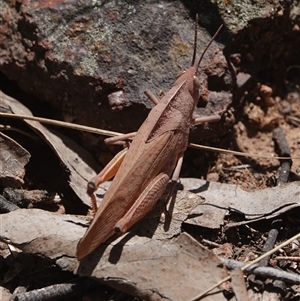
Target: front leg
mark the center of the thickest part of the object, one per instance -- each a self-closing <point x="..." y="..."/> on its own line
<point x="110" y="169"/>
<point x="106" y="174"/>
<point x="174" y="180"/>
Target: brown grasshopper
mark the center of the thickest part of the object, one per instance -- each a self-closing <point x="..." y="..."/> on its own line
<point x="154" y="157"/>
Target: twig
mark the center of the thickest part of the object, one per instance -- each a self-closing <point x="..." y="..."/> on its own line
<point x="247" y="266"/>
<point x="283" y="175"/>
<point x="285" y="151"/>
<point x="269" y="245"/>
<point x="11" y="128"/>
<point x="57" y="291"/>
<point x="265" y="272"/>
<point x="211" y="243"/>
<point x="112" y="134"/>
<point x="293" y="120"/>
<point x="226" y="151"/>
<point x="238" y="167"/>
<point x="270" y="242"/>
<point x="291" y="258"/>
<point x="69" y="125"/>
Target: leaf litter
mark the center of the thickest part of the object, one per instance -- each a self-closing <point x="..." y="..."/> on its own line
<point x="154" y="260"/>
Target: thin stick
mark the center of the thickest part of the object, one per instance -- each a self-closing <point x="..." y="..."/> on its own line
<point x="14" y="129"/>
<point x="284" y="150"/>
<point x="69" y="125"/>
<point x="226" y="151"/>
<point x="265" y="272"/>
<point x="60" y="291"/>
<point x="89" y="129"/>
<point x="291" y="258"/>
<point x="271" y="239"/>
<point x="258" y="259"/>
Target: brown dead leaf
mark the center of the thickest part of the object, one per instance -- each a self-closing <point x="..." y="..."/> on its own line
<point x="239" y="285"/>
<point x="38" y="231"/>
<point x="171" y="270"/>
<point x="222" y="198"/>
<point x="152" y="269"/>
<point x="78" y="161"/>
<point x="13" y="158"/>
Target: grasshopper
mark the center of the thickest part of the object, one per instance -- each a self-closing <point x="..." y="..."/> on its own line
<point x="142" y="171"/>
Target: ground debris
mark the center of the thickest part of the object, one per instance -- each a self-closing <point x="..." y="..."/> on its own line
<point x="13" y="158"/>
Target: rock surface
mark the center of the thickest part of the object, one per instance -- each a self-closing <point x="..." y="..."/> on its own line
<point x="92" y="60"/>
<point x="78" y="54"/>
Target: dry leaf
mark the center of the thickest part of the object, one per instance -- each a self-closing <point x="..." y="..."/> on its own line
<point x="222" y="198"/>
<point x="13" y="158"/>
<point x="76" y="159"/>
<point x="152" y="269"/>
<point x="171" y="270"/>
<point x="238" y="285"/>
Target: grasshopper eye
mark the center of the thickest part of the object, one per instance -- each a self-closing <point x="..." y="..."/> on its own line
<point x="196" y="82"/>
<point x="180" y="73"/>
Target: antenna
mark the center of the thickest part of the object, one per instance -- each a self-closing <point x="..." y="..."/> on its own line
<point x="211" y="40"/>
<point x="195" y="40"/>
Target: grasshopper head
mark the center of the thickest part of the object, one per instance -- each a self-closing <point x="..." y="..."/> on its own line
<point x="192" y="82"/>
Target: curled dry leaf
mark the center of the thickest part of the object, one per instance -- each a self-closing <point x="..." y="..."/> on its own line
<point x="13" y="158"/>
<point x="78" y="161"/>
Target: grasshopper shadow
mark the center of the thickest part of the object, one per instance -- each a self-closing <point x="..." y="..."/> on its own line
<point x="201" y="188"/>
<point x="143" y="228"/>
<point x="89" y="263"/>
<point x="146" y="227"/>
